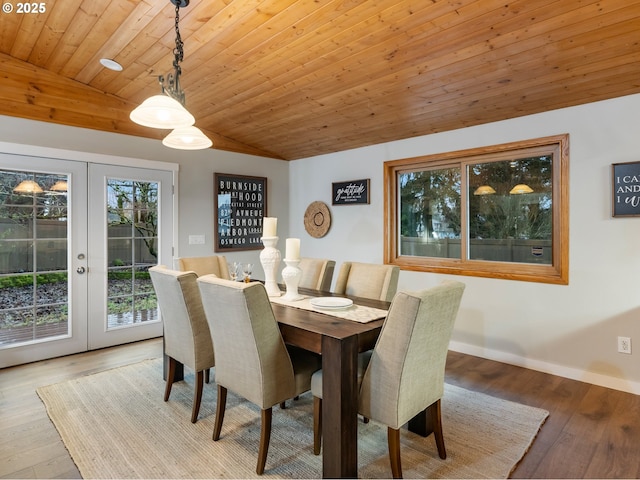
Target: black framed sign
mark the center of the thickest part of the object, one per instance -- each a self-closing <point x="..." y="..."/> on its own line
<point x="626" y="189"/>
<point x="352" y="192"/>
<point x="240" y="204"/>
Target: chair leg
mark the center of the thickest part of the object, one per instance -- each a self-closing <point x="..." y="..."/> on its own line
<point x="317" y="425"/>
<point x="436" y="421"/>
<point x="197" y="396"/>
<point x="283" y="405"/>
<point x="207" y="375"/>
<point x="170" y="376"/>
<point x="222" y="403"/>
<point x="393" y="438"/>
<point x="265" y="435"/>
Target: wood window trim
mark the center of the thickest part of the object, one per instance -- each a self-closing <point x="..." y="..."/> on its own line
<point x="556" y="273"/>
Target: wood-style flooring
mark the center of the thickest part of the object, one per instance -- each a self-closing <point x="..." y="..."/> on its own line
<point x="592" y="432"/>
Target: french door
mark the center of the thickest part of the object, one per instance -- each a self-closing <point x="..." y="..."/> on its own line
<point x="76" y="241"/>
<point x="130" y="229"/>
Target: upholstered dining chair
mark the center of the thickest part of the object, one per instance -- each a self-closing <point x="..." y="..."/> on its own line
<point x="252" y="359"/>
<point x="186" y="332"/>
<point x="215" y="264"/>
<point x="368" y="280"/>
<point x="404" y="374"/>
<point x="317" y="273"/>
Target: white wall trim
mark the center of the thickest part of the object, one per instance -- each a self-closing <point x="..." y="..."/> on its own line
<point x="545" y="367"/>
<point x="60" y="154"/>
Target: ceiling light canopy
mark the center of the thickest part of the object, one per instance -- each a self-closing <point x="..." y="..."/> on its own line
<point x="168" y="110"/>
<point x="111" y="64"/>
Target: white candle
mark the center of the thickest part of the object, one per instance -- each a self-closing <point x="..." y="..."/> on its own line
<point x="293" y="249"/>
<point x="269" y="226"/>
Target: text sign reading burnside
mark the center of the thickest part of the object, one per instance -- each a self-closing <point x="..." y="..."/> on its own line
<point x="241" y="204"/>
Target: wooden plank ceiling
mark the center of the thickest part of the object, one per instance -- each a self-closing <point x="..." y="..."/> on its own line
<point x="291" y="79"/>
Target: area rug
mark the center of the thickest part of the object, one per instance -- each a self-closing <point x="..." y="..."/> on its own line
<point x="116" y="425"/>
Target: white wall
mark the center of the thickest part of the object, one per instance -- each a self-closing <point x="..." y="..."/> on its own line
<point x="195" y="176"/>
<point x="567" y="330"/>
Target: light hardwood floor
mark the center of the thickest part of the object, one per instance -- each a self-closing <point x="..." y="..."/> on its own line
<point x="30" y="446"/>
<point x="592" y="432"/>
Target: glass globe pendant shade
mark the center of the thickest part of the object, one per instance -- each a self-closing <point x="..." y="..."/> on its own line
<point x="161" y="111"/>
<point x="60" y="186"/>
<point x="520" y="189"/>
<point x="484" y="190"/>
<point x="187" y="138"/>
<point x="28" y="187"/>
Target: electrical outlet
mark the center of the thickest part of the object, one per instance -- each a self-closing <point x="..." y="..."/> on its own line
<point x="624" y="345"/>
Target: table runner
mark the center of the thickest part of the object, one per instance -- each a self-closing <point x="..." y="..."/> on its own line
<point x="356" y="313"/>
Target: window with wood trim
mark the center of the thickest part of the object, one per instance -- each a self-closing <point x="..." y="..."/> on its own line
<point x="499" y="211"/>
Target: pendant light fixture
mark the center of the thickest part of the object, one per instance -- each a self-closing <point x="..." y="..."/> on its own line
<point x="484" y="190"/>
<point x="60" y="186"/>
<point x="28" y="187"/>
<point x="168" y="109"/>
<point x="187" y="138"/>
<point x="521" y="189"/>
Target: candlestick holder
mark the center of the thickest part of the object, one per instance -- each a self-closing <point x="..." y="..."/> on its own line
<point x="270" y="260"/>
<point x="291" y="275"/>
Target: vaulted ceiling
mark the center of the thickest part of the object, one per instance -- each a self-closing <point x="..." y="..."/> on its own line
<point x="291" y="79"/>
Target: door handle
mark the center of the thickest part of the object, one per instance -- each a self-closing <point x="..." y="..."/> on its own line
<point x="81" y="270"/>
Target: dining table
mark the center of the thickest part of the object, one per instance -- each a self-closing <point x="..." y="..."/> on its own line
<point x="338" y="341"/>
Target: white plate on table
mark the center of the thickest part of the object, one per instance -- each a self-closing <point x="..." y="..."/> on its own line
<point x="331" y="303"/>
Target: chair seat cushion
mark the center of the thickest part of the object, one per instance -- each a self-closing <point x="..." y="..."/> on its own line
<point x="363" y="362"/>
<point x="305" y="363"/>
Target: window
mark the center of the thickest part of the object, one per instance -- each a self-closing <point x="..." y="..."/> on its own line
<point x="500" y="211"/>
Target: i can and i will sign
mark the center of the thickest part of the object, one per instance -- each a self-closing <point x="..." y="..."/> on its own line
<point x="626" y="189"/>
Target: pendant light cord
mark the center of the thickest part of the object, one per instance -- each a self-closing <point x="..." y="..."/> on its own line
<point x="178" y="52"/>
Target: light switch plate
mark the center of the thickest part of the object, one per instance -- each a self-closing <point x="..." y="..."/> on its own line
<point x="196" y="239"/>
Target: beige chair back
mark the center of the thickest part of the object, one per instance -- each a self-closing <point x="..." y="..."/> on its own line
<point x="317" y="273"/>
<point x="186" y="331"/>
<point x="406" y="372"/>
<point x="252" y="359"/>
<point x="368" y="280"/>
<point x="212" y="264"/>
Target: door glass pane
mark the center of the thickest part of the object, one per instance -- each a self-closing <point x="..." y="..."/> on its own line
<point x="430" y="213"/>
<point x="132" y="226"/>
<point x="33" y="257"/>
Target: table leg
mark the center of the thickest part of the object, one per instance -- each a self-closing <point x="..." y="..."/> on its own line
<point x="339" y="407"/>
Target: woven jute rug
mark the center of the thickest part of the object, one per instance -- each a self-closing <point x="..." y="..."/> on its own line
<point x="116" y="425"/>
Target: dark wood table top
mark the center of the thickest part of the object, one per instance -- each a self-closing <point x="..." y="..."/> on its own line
<point x="305" y="328"/>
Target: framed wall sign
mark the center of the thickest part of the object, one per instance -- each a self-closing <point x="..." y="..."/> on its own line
<point x="240" y="204"/>
<point x="626" y="189"/>
<point x="352" y="192"/>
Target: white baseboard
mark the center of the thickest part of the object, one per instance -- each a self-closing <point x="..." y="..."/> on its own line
<point x="551" y="368"/>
